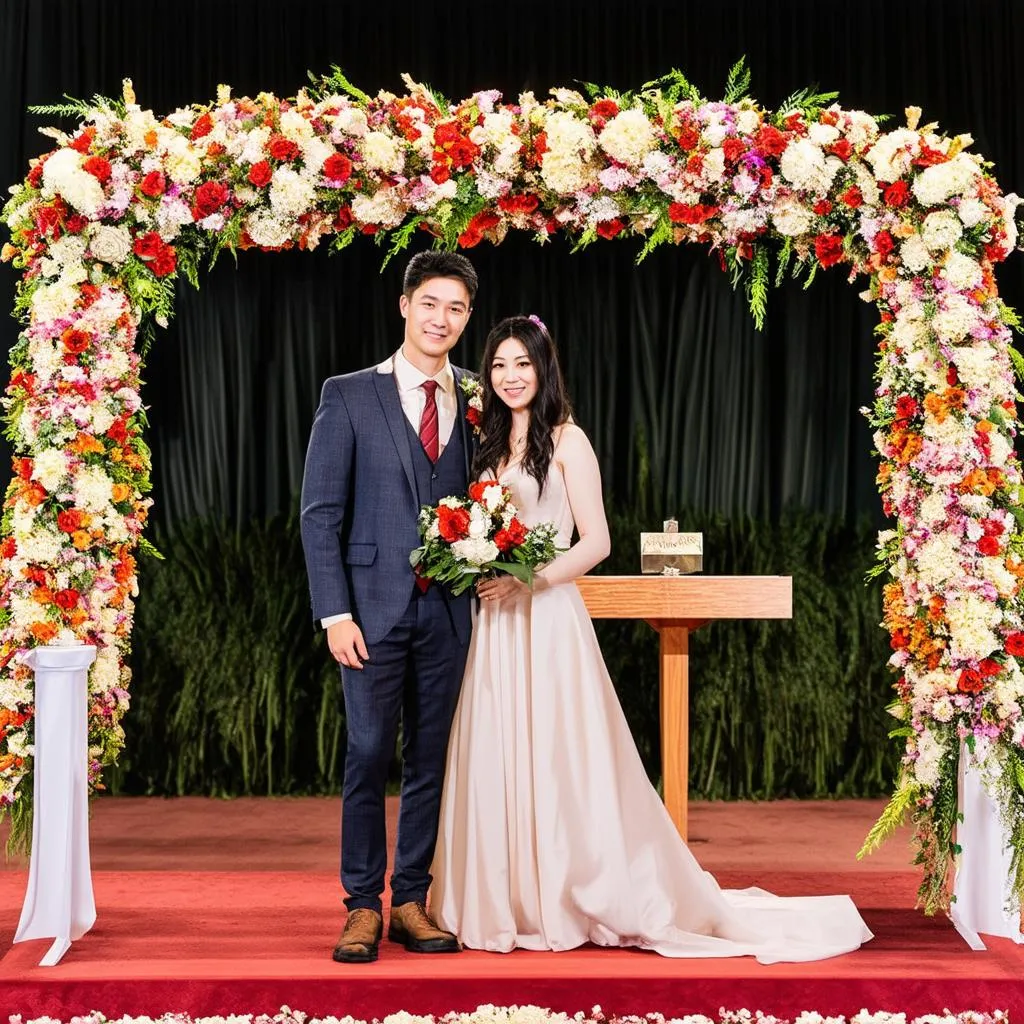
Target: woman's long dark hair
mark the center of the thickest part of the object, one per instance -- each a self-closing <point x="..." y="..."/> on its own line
<point x="549" y="409"/>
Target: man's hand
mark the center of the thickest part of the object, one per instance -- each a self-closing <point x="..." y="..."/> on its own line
<point x="345" y="639"/>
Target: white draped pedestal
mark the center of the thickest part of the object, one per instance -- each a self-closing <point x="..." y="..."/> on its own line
<point x="983" y="870"/>
<point x="59" y="901"/>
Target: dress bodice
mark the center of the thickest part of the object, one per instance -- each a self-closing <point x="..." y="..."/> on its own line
<point x="551" y="506"/>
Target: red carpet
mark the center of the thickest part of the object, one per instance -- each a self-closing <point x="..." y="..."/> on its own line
<point x="213" y="907"/>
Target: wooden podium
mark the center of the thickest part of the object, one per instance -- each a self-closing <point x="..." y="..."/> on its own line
<point x="674" y="605"/>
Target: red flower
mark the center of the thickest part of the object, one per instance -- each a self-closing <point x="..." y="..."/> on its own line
<point x="770" y="141"/>
<point x="9" y="548"/>
<point x="884" y="243"/>
<point x="523" y="203"/>
<point x="992" y="527"/>
<point x="896" y="195"/>
<point x="81" y="143"/>
<point x="951" y="377"/>
<point x="604" y="109"/>
<point x="164" y="262"/>
<point x="823" y="207"/>
<point x="76" y="341"/>
<point x="148" y="245"/>
<point x="67" y="599"/>
<point x="202" y="127"/>
<point x="688" y="137"/>
<point x="453" y="523"/>
<point x="343" y="218"/>
<point x="828" y="249"/>
<point x="209" y="198"/>
<point x="476" y="490"/>
<point x="1014" y="644"/>
<point x="22" y="468"/>
<point x="35" y="176"/>
<point x="69" y="520"/>
<point x="970" y="681"/>
<point x="989" y="667"/>
<point x="76" y="224"/>
<point x="687" y="213"/>
<point x="610" y="228"/>
<point x="118" y="430"/>
<point x="906" y="406"/>
<point x="503" y="539"/>
<point x="338" y="168"/>
<point x="474" y="233"/>
<point x="988" y="546"/>
<point x="517" y="532"/>
<point x="853" y="197"/>
<point x="260" y="174"/>
<point x="282" y="149"/>
<point x="733" y="149"/>
<point x="439" y="173"/>
<point x="98" y="167"/>
<point x="153" y="184"/>
<point x="474" y="416"/>
<point x="842" y="149"/>
<point x="160" y="257"/>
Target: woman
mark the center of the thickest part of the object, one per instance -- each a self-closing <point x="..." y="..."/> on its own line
<point x="551" y="835"/>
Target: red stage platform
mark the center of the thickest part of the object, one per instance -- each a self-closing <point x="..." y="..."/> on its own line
<point x="218" y="907"/>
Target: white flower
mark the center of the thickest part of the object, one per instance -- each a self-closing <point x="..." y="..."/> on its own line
<point x="971" y="623"/>
<point x="266" y="230"/>
<point x="933" y="508"/>
<point x="477" y="522"/>
<point x="936" y="184"/>
<point x="962" y="272"/>
<point x="383" y="208"/>
<point x="382" y="153"/>
<point x="111" y="245"/>
<point x="938" y="560"/>
<point x="183" y="162"/>
<point x="628" y="137"/>
<point x="805" y="165"/>
<point x="941" y="230"/>
<point x="714" y="165"/>
<point x="891" y="155"/>
<point x="351" y="121"/>
<point x="492" y="497"/>
<point x="568" y="163"/>
<point x="914" y="254"/>
<point x="63" y="175"/>
<point x="929" y="757"/>
<point x="975" y="364"/>
<point x="476" y="551"/>
<point x="994" y="569"/>
<point x="253" y="145"/>
<point x="972" y="212"/>
<point x="955" y="319"/>
<point x="93" y="489"/>
<point x="291" y="193"/>
<point x="822" y="134"/>
<point x="50" y="301"/>
<point x="791" y="217"/>
<point x="1010" y="204"/>
<point x="171" y="214"/>
<point x="748" y="121"/>
<point x="50" y="468"/>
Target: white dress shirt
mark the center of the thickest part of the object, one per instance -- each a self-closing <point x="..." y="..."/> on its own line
<point x="409" y="381"/>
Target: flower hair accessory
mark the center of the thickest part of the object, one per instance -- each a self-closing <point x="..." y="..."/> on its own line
<point x="537" y="320"/>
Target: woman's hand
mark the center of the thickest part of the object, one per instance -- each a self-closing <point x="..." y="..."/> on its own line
<point x="501" y="587"/>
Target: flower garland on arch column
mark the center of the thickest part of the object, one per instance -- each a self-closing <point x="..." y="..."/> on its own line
<point x="127" y="202"/>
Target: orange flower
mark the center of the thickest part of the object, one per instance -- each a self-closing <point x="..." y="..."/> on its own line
<point x="44" y="632"/>
<point x="120" y="492"/>
<point x="42" y="595"/>
<point x="934" y="404"/>
<point x="936" y="609"/>
<point x="81" y="539"/>
<point x="86" y="444"/>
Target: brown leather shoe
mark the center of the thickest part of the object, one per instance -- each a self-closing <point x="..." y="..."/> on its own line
<point x="360" y="937"/>
<point x="412" y="927"/>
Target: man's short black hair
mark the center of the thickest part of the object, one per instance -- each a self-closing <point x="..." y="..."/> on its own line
<point x="432" y="263"/>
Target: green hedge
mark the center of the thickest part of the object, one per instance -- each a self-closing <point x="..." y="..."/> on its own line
<point x="234" y="693"/>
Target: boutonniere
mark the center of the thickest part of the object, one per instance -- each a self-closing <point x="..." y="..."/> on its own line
<point x="474" y="392"/>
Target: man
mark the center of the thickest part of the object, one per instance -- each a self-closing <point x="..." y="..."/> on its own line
<point x="385" y="441"/>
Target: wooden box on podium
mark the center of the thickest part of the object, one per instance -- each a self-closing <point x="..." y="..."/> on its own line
<point x="675" y="605"/>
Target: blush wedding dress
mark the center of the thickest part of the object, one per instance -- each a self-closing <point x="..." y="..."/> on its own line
<point x="551" y="835"/>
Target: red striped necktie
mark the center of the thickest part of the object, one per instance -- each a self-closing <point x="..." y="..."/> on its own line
<point x="429" y="436"/>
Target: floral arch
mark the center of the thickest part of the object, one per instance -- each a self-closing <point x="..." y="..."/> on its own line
<point x="107" y="219"/>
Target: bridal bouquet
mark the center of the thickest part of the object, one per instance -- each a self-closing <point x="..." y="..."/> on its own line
<point x="466" y="538"/>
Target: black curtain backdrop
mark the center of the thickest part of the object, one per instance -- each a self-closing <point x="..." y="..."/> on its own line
<point x="662" y="359"/>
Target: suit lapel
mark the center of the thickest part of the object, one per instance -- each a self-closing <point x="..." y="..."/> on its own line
<point x="387" y="393"/>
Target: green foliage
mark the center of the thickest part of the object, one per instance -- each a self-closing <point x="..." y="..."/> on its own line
<point x="808" y="101"/>
<point x="675" y="86"/>
<point x="737" y="85"/>
<point x="895" y="815"/>
<point x="233" y="692"/>
<point x="332" y="83"/>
